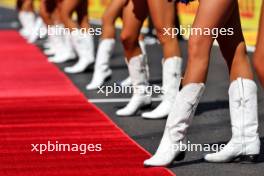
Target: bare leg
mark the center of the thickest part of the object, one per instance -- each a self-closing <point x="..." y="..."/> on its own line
<point x="134" y="14"/>
<point x="83" y="18"/>
<point x="211" y="14"/>
<point x="50" y="11"/>
<point x="259" y="54"/>
<point x="27" y="6"/>
<point x="163" y="15"/>
<point x="113" y="11"/>
<point x="45" y="15"/>
<point x="233" y="48"/>
<point x="68" y="7"/>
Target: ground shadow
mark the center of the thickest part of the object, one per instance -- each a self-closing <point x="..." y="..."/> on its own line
<point x="210" y="106"/>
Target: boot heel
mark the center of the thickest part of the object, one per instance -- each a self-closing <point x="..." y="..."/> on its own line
<point x="180" y="157"/>
<point x="108" y="78"/>
<point x="248" y="159"/>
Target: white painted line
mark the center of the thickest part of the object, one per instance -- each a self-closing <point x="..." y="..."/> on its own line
<point x="117" y="100"/>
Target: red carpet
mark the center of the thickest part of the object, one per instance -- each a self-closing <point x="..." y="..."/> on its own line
<point x="39" y="104"/>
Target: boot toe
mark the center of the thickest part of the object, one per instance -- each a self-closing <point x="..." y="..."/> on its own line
<point x="73" y="70"/>
<point x="79" y="67"/>
<point x="98" y="81"/>
<point x="120" y="113"/>
<point x="92" y="86"/>
<point x="154" y="162"/>
<point x="123" y="112"/>
<point x="69" y="70"/>
<point x="51" y="59"/>
<point x="215" y="158"/>
<point x="154" y="115"/>
<point x="150" y="115"/>
<point x="208" y="157"/>
<point x="148" y="162"/>
<point x="147" y="115"/>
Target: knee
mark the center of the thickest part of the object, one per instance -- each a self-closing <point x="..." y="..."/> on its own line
<point x="198" y="48"/>
<point x="128" y="40"/>
<point x="65" y="15"/>
<point x="160" y="35"/>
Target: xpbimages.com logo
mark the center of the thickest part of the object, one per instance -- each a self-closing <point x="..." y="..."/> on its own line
<point x="60" y="147"/>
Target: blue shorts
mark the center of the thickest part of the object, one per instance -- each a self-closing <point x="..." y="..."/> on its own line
<point x="184" y="1"/>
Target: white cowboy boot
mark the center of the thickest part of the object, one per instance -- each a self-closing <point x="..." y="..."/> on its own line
<point x="138" y="72"/>
<point x="51" y="43"/>
<point x="244" y="144"/>
<point x="128" y="82"/>
<point x="62" y="46"/>
<point x="102" y="69"/>
<point x="49" y="46"/>
<point x="64" y="50"/>
<point x="142" y="46"/>
<point x="35" y="33"/>
<point x="47" y="43"/>
<point x="84" y="46"/>
<point x="27" y="20"/>
<point x="172" y="72"/>
<point x="177" y="124"/>
<point x="50" y="50"/>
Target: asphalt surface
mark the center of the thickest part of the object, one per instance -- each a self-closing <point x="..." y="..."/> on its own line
<point x="211" y="124"/>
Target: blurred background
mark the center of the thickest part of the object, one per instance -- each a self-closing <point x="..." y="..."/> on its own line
<point x="249" y="11"/>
